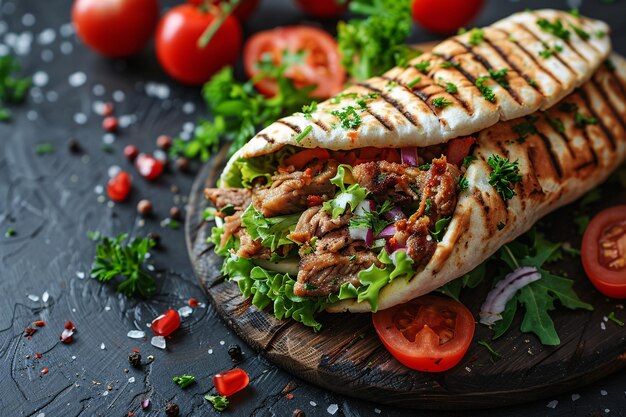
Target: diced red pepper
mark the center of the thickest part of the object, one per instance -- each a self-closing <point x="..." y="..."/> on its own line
<point x="231" y="381"/>
<point x="166" y="323"/>
<point x="40" y="323"/>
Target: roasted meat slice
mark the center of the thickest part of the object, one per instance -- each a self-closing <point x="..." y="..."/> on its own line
<point x="399" y="183"/>
<point x="220" y="197"/>
<point x="249" y="248"/>
<point x="317" y="222"/>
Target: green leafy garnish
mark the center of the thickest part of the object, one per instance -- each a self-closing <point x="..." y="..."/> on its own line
<point x="350" y="196"/>
<point x="414" y="82"/>
<point x="12" y="89"/>
<point x="184" y="381"/>
<point x="470" y="280"/>
<point x="487" y="92"/>
<point x="219" y="402"/>
<point x="555" y="122"/>
<point x="581" y="120"/>
<point x="114" y="258"/>
<point x="581" y="33"/>
<point x="372" y="219"/>
<point x="495" y="356"/>
<point x="468" y="160"/>
<point x="307" y="109"/>
<point x="348" y="117"/>
<point x="441" y="102"/>
<point x="422" y="66"/>
<point x="10" y="232"/>
<point x="271" y="231"/>
<point x="526" y="128"/>
<point x="451" y="88"/>
<point x="305" y="132"/>
<point x="500" y="77"/>
<point x="440" y="228"/>
<point x="614" y="319"/>
<point x="463" y="183"/>
<point x="555" y="28"/>
<point x="44" y="149"/>
<point x="503" y="175"/>
<point x="477" y="35"/>
<point x="548" y="52"/>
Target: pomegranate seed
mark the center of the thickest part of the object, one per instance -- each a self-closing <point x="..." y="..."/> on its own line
<point x="38" y="355"/>
<point x="29" y="332"/>
<point x="45" y="371"/>
<point x="164" y="142"/>
<point x="193" y="302"/>
<point x="131" y="152"/>
<point x="136" y="350"/>
<point x="67" y="336"/>
<point x="107" y="109"/>
<point x="166" y="323"/>
<point x="109" y="124"/>
<point x="40" y="323"/>
<point x="231" y="381"/>
<point x="118" y="187"/>
<point x="148" y="166"/>
<point x="70" y="326"/>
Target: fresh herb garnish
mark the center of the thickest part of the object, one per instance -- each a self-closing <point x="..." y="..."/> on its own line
<point x="495" y="356"/>
<point x="470" y="280"/>
<point x="441" y="102"/>
<point x="581" y="120"/>
<point x="501" y="225"/>
<point x="503" y="175"/>
<point x="424" y="167"/>
<point x="12" y="90"/>
<point x="423" y="66"/>
<point x="348" y="117"/>
<point x="555" y="122"/>
<point x="567" y="107"/>
<point x="500" y="77"/>
<point x="532" y="83"/>
<point x="184" y="381"/>
<point x="614" y="319"/>
<point x="451" y="88"/>
<point x="441" y="226"/>
<point x="526" y="128"/>
<point x="307" y="109"/>
<point x="372" y="219"/>
<point x="428" y="206"/>
<point x="446" y="64"/>
<point x="305" y="132"/>
<point x="487" y="92"/>
<point x="548" y="52"/>
<point x="463" y="183"/>
<point x="600" y="34"/>
<point x="582" y="221"/>
<point x="609" y="64"/>
<point x="555" y="28"/>
<point x="414" y="82"/>
<point x="390" y="85"/>
<point x="337" y="99"/>
<point x="10" y="232"/>
<point x="575" y="12"/>
<point x="581" y="33"/>
<point x="114" y="258"/>
<point x="468" y="160"/>
<point x="477" y="35"/>
<point x="44" y="149"/>
<point x="219" y="402"/>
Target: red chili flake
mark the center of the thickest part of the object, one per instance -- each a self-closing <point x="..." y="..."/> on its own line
<point x="109" y="124"/>
<point x="40" y="323"/>
<point x="136" y="350"/>
<point x="107" y="109"/>
<point x="38" y="355"/>
<point x="45" y="371"/>
<point x="29" y="332"/>
<point x="70" y="326"/>
<point x="289" y="396"/>
<point x="193" y="302"/>
<point x="131" y="414"/>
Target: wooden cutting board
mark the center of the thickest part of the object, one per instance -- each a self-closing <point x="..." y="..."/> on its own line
<point x="346" y="356"/>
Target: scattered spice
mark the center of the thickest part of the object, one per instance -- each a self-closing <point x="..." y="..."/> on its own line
<point x="235" y="353"/>
<point x="164" y="142"/>
<point x="135" y="359"/>
<point x="29" y="332"/>
<point x="175" y="213"/>
<point x="10" y="232"/>
<point x="144" y="207"/>
<point x="40" y="323"/>
<point x="172" y="410"/>
<point x="45" y="371"/>
<point x="38" y="355"/>
<point x="74" y="146"/>
<point x="298" y="413"/>
<point x="219" y="402"/>
<point x="131" y="152"/>
<point x="110" y="124"/>
<point x="182" y="164"/>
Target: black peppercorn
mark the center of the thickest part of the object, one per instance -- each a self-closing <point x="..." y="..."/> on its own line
<point x="172" y="410"/>
<point x="235" y="353"/>
<point x="298" y="413"/>
<point x="135" y="359"/>
<point x="155" y="237"/>
<point x="175" y="213"/>
<point x="182" y="164"/>
<point x="74" y="146"/>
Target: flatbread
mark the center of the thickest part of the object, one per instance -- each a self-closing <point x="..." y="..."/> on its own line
<point x="557" y="167"/>
<point x="403" y="113"/>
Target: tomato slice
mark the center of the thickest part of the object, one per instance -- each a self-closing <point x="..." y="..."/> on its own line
<point x="320" y="65"/>
<point x="458" y="149"/>
<point x="300" y="159"/>
<point x="429" y="333"/>
<point x="603" y="251"/>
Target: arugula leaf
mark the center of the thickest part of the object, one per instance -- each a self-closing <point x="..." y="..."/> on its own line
<point x="116" y="259"/>
<point x="440" y="228"/>
<point x="271" y="231"/>
<point x="470" y="280"/>
<point x="219" y="402"/>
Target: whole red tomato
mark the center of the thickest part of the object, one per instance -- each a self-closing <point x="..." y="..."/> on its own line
<point x="178" y="49"/>
<point x="242" y="11"/>
<point x="445" y="16"/>
<point x="323" y="8"/>
<point x="115" y="28"/>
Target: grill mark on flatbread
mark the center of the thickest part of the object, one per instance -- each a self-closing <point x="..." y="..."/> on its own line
<point x="460" y="69"/>
<point x="605" y="94"/>
<point x="594" y="156"/>
<point x="585" y="165"/>
<point x="571" y="46"/>
<point x="607" y="133"/>
<point x="563" y="137"/>
<point x="483" y="61"/>
<point x="380" y="119"/>
<point x="556" y="54"/>
<point x="615" y="80"/>
<point x="266" y="138"/>
<point x="553" y="158"/>
<point x="506" y="59"/>
<point x="321" y="125"/>
<point x="531" y="56"/>
<point x="391" y="101"/>
<point x="290" y="126"/>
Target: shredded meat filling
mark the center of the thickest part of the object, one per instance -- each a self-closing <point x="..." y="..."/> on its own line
<point x="316" y="222"/>
<point x="221" y="197"/>
<point x="399" y="183"/>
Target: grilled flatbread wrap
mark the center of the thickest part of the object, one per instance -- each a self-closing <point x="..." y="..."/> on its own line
<point x="543" y="66"/>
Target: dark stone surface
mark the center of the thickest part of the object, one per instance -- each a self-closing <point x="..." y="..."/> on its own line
<point x="51" y="202"/>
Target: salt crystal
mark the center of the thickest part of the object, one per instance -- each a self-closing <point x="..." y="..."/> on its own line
<point x="47" y="36"/>
<point x="332" y="409"/>
<point x="575" y="397"/>
<point x="606" y="410"/>
<point x="158" y="90"/>
<point x="52" y="96"/>
<point x="80" y="274"/>
<point x="108" y="138"/>
<point x="73" y="358"/>
<point x="603" y="392"/>
<point x="98" y="189"/>
<point x="45" y="296"/>
<point x="32" y="115"/>
<point x="222" y="342"/>
<point x="47" y="55"/>
<point x="185" y="311"/>
<point x="552" y="404"/>
<point x="33" y="297"/>
<point x="313" y="403"/>
<point x="40" y="79"/>
<point x="113" y="170"/>
<point x="102" y="346"/>
<point x="188" y="127"/>
<point x="158" y="341"/>
<point x="66" y="30"/>
<point x="66" y="48"/>
<point x="127" y="120"/>
<point x="160" y="154"/>
<point x="603" y="326"/>
<point x="98" y="90"/>
<point x="119" y="96"/>
<point x="131" y="379"/>
<point x="377" y="410"/>
<point x="41" y="415"/>
<point x="77" y="79"/>
<point x="28" y="19"/>
<point x="136" y="334"/>
<point x="105" y="393"/>
<point x="210" y="351"/>
<point x="107" y="308"/>
<point x="189" y="107"/>
<point x="80" y="118"/>
<point x="605" y="318"/>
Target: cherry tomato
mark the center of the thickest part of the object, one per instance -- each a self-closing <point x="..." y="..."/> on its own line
<point x="458" y="149"/>
<point x="110" y="124"/>
<point x="118" y="187"/>
<point x="320" y="66"/>
<point x="177" y="46"/>
<point x="148" y="166"/>
<point x="115" y="28"/>
<point x="242" y="11"/>
<point x="323" y="8"/>
<point x="231" y="381"/>
<point x="445" y="16"/>
<point x="429" y="333"/>
<point x="603" y="251"/>
<point x="166" y="323"/>
<point x="131" y="152"/>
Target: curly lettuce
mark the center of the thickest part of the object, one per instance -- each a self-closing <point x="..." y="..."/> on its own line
<point x="271" y="231"/>
<point x="350" y="196"/>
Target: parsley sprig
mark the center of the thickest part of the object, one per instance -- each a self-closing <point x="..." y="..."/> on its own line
<point x="114" y="258"/>
<point x="372" y="219"/>
<point x="503" y="175"/>
<point x="184" y="381"/>
<point x="219" y="402"/>
<point x="12" y="89"/>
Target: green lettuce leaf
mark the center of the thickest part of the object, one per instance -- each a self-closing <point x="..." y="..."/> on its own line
<point x="350" y="196"/>
<point x="272" y="231"/>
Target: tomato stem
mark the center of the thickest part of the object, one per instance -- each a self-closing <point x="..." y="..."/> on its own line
<point x="221" y="15"/>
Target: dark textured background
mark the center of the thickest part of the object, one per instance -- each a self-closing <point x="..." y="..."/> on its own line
<point x="52" y="202"/>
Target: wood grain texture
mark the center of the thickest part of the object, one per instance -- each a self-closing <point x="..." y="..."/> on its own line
<point x="346" y="356"/>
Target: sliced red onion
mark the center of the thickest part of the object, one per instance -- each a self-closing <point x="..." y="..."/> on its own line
<point x="145" y="404"/>
<point x="409" y="156"/>
<point x="363" y="207"/>
<point x="362" y="233"/>
<point x="388" y="231"/>
<point x="369" y="238"/>
<point x="394" y="214"/>
<point x="494" y="305"/>
<point x="395" y="253"/>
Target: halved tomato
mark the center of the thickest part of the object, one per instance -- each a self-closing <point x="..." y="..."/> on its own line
<point x="320" y="64"/>
<point x="603" y="251"/>
<point x="429" y="333"/>
<point x="457" y="149"/>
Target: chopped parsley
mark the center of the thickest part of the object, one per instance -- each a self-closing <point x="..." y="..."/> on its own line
<point x="372" y="220"/>
<point x="348" y="117"/>
<point x="555" y="122"/>
<point x="451" y="88"/>
<point x="477" y="35"/>
<point x="614" y="319"/>
<point x="5" y="115"/>
<point x="581" y="120"/>
<point x="441" y="226"/>
<point x="567" y="107"/>
<point x="581" y="33"/>
<point x="12" y="89"/>
<point x="423" y="66"/>
<point x="548" y="52"/>
<point x="555" y="28"/>
<point x="305" y="132"/>
<point x="600" y="34"/>
<point x="503" y="175"/>
<point x="390" y="85"/>
<point x="424" y="167"/>
<point x="441" y="102"/>
<point x="487" y="92"/>
<point x="526" y="128"/>
<point x="468" y="160"/>
<point x="414" y="82"/>
<point x="532" y="83"/>
<point x="501" y="225"/>
<point x="341" y="96"/>
<point x="10" y="232"/>
<point x="575" y="12"/>
<point x="446" y="64"/>
<point x="428" y="206"/>
<point x="463" y="184"/>
<point x="184" y="381"/>
<point x="219" y="402"/>
<point x="44" y="149"/>
<point x="307" y="109"/>
<point x="500" y="77"/>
